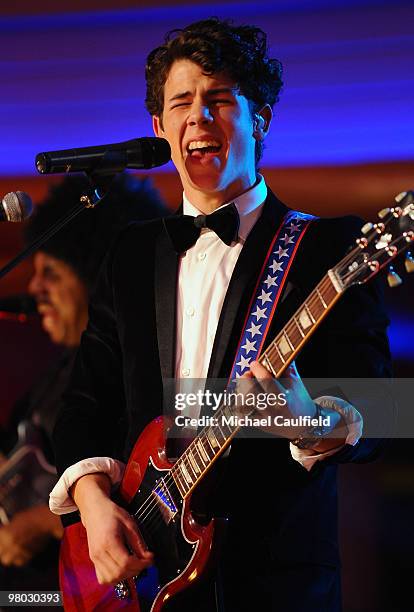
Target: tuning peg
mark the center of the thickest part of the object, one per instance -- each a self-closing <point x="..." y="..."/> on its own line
<point x="398" y="198"/>
<point x="367" y="228"/>
<point x="383" y="213"/>
<point x="393" y="278"/>
<point x="409" y="262"/>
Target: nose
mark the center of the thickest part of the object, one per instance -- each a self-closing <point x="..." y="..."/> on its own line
<point x="36" y="285"/>
<point x="200" y="114"/>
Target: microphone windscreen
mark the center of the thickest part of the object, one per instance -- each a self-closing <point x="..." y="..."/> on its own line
<point x="17" y="206"/>
<point x="156" y="152"/>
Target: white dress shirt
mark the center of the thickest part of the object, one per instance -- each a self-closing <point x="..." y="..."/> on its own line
<point x="204" y="274"/>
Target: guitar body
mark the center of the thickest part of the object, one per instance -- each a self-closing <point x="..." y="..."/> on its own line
<point x="183" y="549"/>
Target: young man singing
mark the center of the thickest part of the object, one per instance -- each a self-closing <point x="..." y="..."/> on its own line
<point x="172" y="302"/>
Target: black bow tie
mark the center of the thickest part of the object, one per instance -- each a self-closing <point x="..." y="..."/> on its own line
<point x="184" y="230"/>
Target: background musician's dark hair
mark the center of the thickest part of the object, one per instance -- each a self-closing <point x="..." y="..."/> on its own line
<point x="84" y="241"/>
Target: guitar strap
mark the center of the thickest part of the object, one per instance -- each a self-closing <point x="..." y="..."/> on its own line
<point x="262" y="306"/>
<point x="269" y="288"/>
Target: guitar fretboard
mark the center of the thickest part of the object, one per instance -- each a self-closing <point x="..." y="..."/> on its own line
<point x="287" y="344"/>
<point x="215" y="438"/>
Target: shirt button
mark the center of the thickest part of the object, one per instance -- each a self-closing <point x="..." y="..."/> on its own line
<point x="201" y="256"/>
<point x="185" y="372"/>
<point x="190" y="311"/>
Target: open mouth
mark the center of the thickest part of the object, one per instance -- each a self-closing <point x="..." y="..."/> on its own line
<point x="45" y="309"/>
<point x="200" y="148"/>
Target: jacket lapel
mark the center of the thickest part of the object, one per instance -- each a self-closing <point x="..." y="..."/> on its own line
<point x="241" y="286"/>
<point x="166" y="273"/>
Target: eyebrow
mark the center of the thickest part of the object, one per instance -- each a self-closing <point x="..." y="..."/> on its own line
<point x="210" y="92"/>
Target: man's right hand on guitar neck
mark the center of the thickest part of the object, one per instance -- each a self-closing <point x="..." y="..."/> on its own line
<point x="115" y="544"/>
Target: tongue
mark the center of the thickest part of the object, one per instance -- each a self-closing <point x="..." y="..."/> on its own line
<point x="201" y="152"/>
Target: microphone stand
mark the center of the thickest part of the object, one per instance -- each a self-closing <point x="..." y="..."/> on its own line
<point x="98" y="190"/>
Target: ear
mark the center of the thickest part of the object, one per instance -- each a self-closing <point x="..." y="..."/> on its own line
<point x="261" y="122"/>
<point x="156" y="126"/>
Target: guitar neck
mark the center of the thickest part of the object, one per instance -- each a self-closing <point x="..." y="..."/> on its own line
<point x="290" y="340"/>
<point x="213" y="440"/>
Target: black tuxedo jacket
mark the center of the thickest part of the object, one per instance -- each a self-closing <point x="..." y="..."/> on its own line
<point x="282" y="524"/>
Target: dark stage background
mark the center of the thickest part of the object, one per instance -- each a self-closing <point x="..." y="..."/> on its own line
<point x="342" y="142"/>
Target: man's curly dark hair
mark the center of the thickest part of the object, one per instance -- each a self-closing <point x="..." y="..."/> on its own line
<point x="240" y="52"/>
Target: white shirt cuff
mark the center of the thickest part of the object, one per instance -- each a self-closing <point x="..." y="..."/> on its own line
<point x="353" y="420"/>
<point x="60" y="502"/>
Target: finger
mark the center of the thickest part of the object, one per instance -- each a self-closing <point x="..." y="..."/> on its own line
<point x="247" y="374"/>
<point x="135" y="565"/>
<point x="126" y="563"/>
<point x="266" y="380"/>
<point x="118" y="552"/>
<point x="128" y="552"/>
<point x="106" y="567"/>
<point x="136" y="543"/>
<point x="107" y="572"/>
<point x="109" y="554"/>
<point x="259" y="371"/>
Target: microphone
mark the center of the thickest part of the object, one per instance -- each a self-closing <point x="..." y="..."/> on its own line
<point x="138" y="153"/>
<point x="15" y="206"/>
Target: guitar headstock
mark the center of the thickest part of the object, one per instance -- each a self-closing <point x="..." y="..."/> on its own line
<point x="380" y="243"/>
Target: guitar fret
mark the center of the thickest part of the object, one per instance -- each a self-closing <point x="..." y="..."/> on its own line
<point x="186" y="474"/>
<point x="197" y="446"/>
<point x="176" y="476"/>
<point x="181" y="475"/>
<point x="189" y="467"/>
<point x="292" y="348"/>
<point x="321" y="298"/>
<point x="332" y="288"/>
<point x="202" y="453"/>
<point x="227" y="412"/>
<point x="218" y="430"/>
<point x="279" y="353"/>
<point x="298" y="325"/>
<point x="190" y="464"/>
<point x="194" y="464"/>
<point x="230" y="430"/>
<point x="212" y="439"/>
<point x="284" y="343"/>
<point x="274" y="357"/>
<point x="208" y="448"/>
<point x="269" y="364"/>
<point x="312" y="318"/>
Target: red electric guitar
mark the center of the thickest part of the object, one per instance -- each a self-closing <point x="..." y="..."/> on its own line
<point x="158" y="493"/>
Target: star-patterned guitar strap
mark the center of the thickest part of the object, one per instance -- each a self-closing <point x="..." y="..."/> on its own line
<point x="268" y="289"/>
